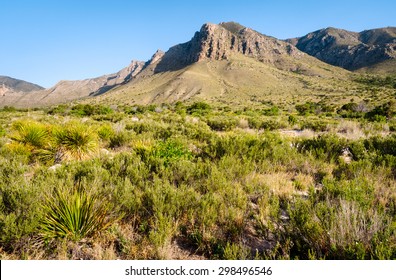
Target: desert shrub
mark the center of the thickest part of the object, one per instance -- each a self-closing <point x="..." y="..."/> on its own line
<point x="337" y="228"/>
<point x="292" y="120"/>
<point x="9" y="109"/>
<point x="254" y="122"/>
<point x="328" y="147"/>
<point x="306" y="108"/>
<point x="105" y="132"/>
<point x="273" y="111"/>
<point x="250" y="147"/>
<point x="171" y="150"/>
<point x="89" y="110"/>
<point x="272" y="125"/>
<point x="388" y="81"/>
<point x="358" y="150"/>
<point x="222" y="123"/>
<point x="381" y="113"/>
<point x="315" y="125"/>
<point x="309" y="108"/>
<point x="199" y="108"/>
<point x="19" y="203"/>
<point x="266" y="124"/>
<point x="141" y="127"/>
<point x="381" y="145"/>
<point x="58" y="110"/>
<point x="119" y="139"/>
<point x="352" y="110"/>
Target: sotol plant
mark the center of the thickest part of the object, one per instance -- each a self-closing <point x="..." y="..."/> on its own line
<point x="76" y="141"/>
<point x="74" y="216"/>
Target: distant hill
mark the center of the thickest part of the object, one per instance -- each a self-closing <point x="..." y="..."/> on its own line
<point x="66" y="91"/>
<point x="372" y="50"/>
<point x="12" y="84"/>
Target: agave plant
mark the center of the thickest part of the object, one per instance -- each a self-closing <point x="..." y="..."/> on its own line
<point x="74" y="216"/>
<point x="76" y="141"/>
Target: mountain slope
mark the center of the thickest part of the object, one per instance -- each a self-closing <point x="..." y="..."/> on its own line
<point x="8" y="84"/>
<point x="224" y="62"/>
<point x="66" y="91"/>
<point x="351" y="50"/>
<point x="227" y="63"/>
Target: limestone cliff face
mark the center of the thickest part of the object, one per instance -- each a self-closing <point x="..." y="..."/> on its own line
<point x="350" y="50"/>
<point x="219" y="41"/>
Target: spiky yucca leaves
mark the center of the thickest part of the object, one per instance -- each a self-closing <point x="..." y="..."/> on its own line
<point x="76" y="141"/>
<point x="75" y="216"/>
<point x="31" y="134"/>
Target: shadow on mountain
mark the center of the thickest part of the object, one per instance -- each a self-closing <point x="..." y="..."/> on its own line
<point x="101" y="90"/>
<point x="180" y="56"/>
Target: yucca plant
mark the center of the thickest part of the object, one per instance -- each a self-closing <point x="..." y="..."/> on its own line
<point x="74" y="216"/>
<point x="76" y="141"/>
<point x="31" y="134"/>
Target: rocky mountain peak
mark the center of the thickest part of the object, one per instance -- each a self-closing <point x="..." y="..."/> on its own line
<point x="350" y="50"/>
<point x="156" y="56"/>
<point x="220" y="41"/>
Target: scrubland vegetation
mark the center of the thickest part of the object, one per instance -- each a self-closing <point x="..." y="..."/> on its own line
<point x="198" y="181"/>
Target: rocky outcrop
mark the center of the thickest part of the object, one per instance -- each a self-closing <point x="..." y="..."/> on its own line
<point x="219" y="41"/>
<point x="350" y="50"/>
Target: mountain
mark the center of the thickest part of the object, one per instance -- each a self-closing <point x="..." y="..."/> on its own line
<point x="66" y="91"/>
<point x="228" y="63"/>
<point x="8" y="84"/>
<point x="371" y="50"/>
<point x="225" y="62"/>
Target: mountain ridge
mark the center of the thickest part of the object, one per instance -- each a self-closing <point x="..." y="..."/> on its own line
<point x="8" y="84"/>
<point x="214" y="60"/>
<point x="350" y="50"/>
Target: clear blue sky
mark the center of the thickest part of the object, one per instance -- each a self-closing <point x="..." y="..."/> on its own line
<point x="44" y="41"/>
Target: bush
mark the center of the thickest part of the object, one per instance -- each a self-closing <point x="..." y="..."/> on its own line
<point x="89" y="110"/>
<point x="307" y="108"/>
<point x="351" y="110"/>
<point x="273" y="111"/>
<point x="222" y="123"/>
<point x="381" y="113"/>
<point x="327" y="147"/>
<point x="199" y="108"/>
<point x="119" y="139"/>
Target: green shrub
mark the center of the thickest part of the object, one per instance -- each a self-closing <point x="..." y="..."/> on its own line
<point x="273" y="111"/>
<point x="382" y="113"/>
<point x="105" y="132"/>
<point x="327" y="147"/>
<point x="306" y="108"/>
<point x="119" y="139"/>
<point x="318" y="125"/>
<point x="89" y="110"/>
<point x="223" y="123"/>
<point x="58" y="110"/>
<point x="199" y="108"/>
<point x="292" y="120"/>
